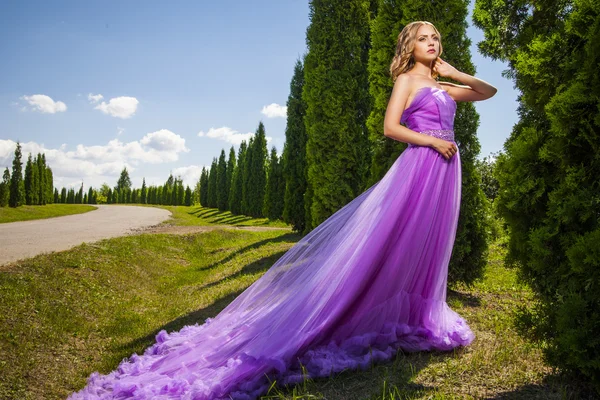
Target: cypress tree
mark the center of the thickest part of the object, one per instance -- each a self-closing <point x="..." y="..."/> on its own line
<point x="294" y="153"/>
<point x="71" y="196"/>
<point x="41" y="183"/>
<point x="17" y="188"/>
<point x="246" y="181"/>
<point x="548" y="175"/>
<point x="49" y="184"/>
<point x="231" y="164"/>
<point x="275" y="191"/>
<point x="90" y="196"/>
<point x="188" y="196"/>
<point x="257" y="179"/>
<point x="144" y="192"/>
<point x="56" y="196"/>
<point x="63" y="195"/>
<point x="212" y="185"/>
<point x="235" y="199"/>
<point x="337" y="99"/>
<point x="222" y="194"/>
<point x="5" y="188"/>
<point x="28" y="182"/>
<point x="180" y="192"/>
<point x="204" y="187"/>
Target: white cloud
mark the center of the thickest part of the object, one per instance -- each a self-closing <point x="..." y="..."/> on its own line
<point x="44" y="104"/>
<point x="121" y="107"/>
<point x="189" y="174"/>
<point x="229" y="135"/>
<point x="94" y="98"/>
<point x="100" y="163"/>
<point x="164" y="140"/>
<point x="274" y="110"/>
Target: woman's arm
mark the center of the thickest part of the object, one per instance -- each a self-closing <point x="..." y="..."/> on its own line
<point x="476" y="89"/>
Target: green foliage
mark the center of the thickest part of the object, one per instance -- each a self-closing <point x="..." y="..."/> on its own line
<point x="5" y="188"/>
<point x="237" y="181"/>
<point x="222" y="192"/>
<point x="212" y="185"/>
<point x="294" y="154"/>
<point x="124" y="182"/>
<point x="337" y="99"/>
<point x="17" y="188"/>
<point x="548" y="178"/>
<point x="275" y="190"/>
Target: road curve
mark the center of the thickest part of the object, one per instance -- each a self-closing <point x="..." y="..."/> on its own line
<point x="26" y="239"/>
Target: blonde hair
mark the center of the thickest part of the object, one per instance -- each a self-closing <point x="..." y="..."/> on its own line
<point x="403" y="60"/>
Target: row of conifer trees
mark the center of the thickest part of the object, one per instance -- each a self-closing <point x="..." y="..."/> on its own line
<point x="35" y="188"/>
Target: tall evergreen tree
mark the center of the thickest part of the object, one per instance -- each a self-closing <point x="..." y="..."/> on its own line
<point x="63" y="195"/>
<point x="231" y="164"/>
<point x="124" y="181"/>
<point x="246" y="181"/>
<point x="222" y="194"/>
<point x="275" y="190"/>
<point x="5" y="188"/>
<point x="235" y="197"/>
<point x="49" y="181"/>
<point x="40" y="163"/>
<point x="212" y="185"/>
<point x="17" y="188"/>
<point x="188" y="196"/>
<point x="258" y="176"/>
<point x="144" y="192"/>
<point x="90" y="196"/>
<point x="337" y="99"/>
<point x="548" y="175"/>
<point x="204" y="187"/>
<point x="29" y="182"/>
<point x="56" y="196"/>
<point x="294" y="153"/>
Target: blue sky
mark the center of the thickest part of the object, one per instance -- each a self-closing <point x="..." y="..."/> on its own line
<point x="162" y="87"/>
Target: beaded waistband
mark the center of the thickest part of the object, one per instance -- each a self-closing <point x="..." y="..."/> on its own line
<point x="445" y="134"/>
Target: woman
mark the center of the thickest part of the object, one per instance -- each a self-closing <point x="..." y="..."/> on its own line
<point x="367" y="282"/>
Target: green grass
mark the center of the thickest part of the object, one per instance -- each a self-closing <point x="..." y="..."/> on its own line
<point x="66" y="315"/>
<point x="202" y="216"/>
<point x="26" y="213"/>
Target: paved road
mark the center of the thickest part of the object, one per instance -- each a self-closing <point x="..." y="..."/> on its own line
<point x="25" y="239"/>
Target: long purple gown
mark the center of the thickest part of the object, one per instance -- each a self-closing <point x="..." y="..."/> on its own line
<point x="368" y="281"/>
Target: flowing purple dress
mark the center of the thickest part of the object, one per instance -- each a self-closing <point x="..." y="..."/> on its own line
<point x="368" y="281"/>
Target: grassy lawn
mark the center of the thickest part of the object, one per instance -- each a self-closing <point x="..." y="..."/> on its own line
<point x="65" y="315"/>
<point x="201" y="216"/>
<point x="25" y="213"/>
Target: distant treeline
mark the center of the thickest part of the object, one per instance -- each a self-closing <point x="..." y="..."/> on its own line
<point x="33" y="189"/>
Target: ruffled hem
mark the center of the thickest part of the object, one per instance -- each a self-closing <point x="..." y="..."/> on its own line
<point x="357" y="352"/>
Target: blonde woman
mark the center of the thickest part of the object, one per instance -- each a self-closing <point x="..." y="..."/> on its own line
<point x="366" y="283"/>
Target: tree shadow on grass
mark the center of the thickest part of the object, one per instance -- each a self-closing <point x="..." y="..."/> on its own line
<point x="288" y="237"/>
<point x="553" y="386"/>
<point x="466" y="299"/>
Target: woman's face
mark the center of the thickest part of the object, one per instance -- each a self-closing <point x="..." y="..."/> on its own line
<point x="427" y="44"/>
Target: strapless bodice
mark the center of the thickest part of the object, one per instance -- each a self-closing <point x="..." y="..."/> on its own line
<point x="431" y="111"/>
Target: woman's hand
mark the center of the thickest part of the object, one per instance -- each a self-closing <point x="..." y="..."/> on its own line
<point x="445" y="148"/>
<point x="444" y="69"/>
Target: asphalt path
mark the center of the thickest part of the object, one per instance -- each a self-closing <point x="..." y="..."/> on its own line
<point x="26" y="239"/>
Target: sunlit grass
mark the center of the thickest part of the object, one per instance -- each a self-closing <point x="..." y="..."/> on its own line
<point x="26" y="213"/>
<point x="65" y="315"/>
